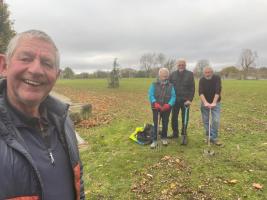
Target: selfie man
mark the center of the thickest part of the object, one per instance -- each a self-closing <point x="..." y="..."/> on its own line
<point x="39" y="158"/>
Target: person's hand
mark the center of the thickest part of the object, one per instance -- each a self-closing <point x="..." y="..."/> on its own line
<point x="166" y="107"/>
<point x="207" y="105"/>
<point x="157" y="106"/>
<point x="187" y="103"/>
<point x="212" y="105"/>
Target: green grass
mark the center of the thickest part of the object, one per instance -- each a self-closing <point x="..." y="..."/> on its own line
<point x="114" y="165"/>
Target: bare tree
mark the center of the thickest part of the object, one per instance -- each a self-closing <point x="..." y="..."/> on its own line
<point x="160" y="60"/>
<point x="147" y="61"/>
<point x="151" y="62"/>
<point x="247" y="61"/>
<point x="198" y="71"/>
<point x="170" y="64"/>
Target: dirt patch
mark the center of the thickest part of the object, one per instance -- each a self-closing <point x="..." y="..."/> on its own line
<point x="104" y="106"/>
<point x="167" y="180"/>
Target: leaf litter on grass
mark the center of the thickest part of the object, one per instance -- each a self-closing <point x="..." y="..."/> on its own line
<point x="167" y="179"/>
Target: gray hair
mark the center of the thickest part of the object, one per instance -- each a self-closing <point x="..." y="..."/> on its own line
<point x="181" y="60"/>
<point x="11" y="48"/>
<point x="164" y="69"/>
<point x="207" y="67"/>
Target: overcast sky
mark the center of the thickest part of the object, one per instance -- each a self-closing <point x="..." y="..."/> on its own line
<point x="91" y="33"/>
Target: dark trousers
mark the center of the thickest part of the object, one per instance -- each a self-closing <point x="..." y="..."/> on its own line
<point x="179" y="105"/>
<point x="165" y="121"/>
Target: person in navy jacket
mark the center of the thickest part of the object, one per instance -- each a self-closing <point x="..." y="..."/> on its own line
<point x="38" y="147"/>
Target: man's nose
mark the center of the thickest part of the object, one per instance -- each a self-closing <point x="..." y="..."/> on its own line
<point x="36" y="67"/>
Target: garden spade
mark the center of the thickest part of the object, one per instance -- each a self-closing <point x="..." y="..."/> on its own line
<point x="209" y="151"/>
<point x="158" y="147"/>
<point x="184" y="134"/>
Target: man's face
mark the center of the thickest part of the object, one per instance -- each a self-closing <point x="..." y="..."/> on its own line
<point x="208" y="73"/>
<point x="181" y="65"/>
<point x="31" y="73"/>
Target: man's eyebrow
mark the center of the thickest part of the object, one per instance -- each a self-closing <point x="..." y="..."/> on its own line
<point x="25" y="53"/>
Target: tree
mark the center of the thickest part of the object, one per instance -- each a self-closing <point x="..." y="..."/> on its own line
<point x="6" y="29"/>
<point x="67" y="73"/>
<point x="127" y="73"/>
<point x="170" y="64"/>
<point x="83" y="75"/>
<point x="198" y="71"/>
<point x="114" y="75"/>
<point x="100" y="74"/>
<point x="247" y="61"/>
<point x="147" y="61"/>
<point x="230" y="72"/>
<point x="160" y="60"/>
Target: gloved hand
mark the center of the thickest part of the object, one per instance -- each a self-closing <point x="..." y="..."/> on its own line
<point x="157" y="106"/>
<point x="166" y="107"/>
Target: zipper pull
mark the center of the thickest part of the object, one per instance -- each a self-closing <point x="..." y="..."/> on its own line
<point x="51" y="157"/>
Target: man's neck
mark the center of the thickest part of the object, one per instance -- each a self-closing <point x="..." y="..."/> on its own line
<point x="32" y="111"/>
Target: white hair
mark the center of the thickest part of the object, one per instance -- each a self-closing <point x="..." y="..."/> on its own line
<point x="207" y="67"/>
<point x="11" y="48"/>
<point x="181" y="60"/>
<point x="164" y="69"/>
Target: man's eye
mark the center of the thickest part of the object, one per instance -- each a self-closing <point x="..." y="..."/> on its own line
<point x="48" y="64"/>
<point x="26" y="59"/>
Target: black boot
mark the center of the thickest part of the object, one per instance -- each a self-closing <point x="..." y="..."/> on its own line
<point x="174" y="135"/>
<point x="184" y="140"/>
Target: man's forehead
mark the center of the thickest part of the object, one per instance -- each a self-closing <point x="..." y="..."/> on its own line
<point x="33" y="45"/>
<point x="181" y="62"/>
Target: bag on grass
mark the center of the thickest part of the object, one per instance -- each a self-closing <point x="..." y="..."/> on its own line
<point x="143" y="135"/>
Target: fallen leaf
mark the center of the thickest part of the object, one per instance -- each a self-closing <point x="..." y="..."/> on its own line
<point x="150" y="175"/>
<point x="233" y="181"/>
<point x="164" y="191"/>
<point x="173" y="185"/>
<point x="166" y="158"/>
<point x="257" y="186"/>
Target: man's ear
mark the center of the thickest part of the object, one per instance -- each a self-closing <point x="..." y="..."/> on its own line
<point x="58" y="73"/>
<point x="3" y="65"/>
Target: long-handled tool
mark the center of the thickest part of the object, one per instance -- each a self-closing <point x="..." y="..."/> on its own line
<point x="158" y="147"/>
<point x="209" y="151"/>
<point x="184" y="135"/>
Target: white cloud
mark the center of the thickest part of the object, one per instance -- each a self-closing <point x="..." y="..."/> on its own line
<point x="90" y="34"/>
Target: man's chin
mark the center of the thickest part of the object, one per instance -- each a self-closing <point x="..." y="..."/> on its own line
<point x="32" y="102"/>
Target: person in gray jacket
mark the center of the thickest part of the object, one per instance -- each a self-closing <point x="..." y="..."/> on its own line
<point x="184" y="85"/>
<point x="38" y="147"/>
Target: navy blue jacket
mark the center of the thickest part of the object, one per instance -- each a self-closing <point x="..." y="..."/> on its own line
<point x="184" y="85"/>
<point x="20" y="178"/>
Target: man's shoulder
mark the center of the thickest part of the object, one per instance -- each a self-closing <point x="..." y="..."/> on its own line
<point x="188" y="72"/>
<point x="216" y="77"/>
<point x="174" y="73"/>
<point x="55" y="105"/>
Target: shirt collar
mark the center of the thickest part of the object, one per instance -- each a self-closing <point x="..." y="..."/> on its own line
<point x="22" y="120"/>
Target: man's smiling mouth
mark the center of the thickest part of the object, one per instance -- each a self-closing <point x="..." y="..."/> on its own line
<point x="31" y="82"/>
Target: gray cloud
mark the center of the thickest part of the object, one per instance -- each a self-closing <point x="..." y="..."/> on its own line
<point x="90" y="34"/>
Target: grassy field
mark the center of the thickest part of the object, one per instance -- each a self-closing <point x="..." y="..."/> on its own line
<point x="117" y="168"/>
